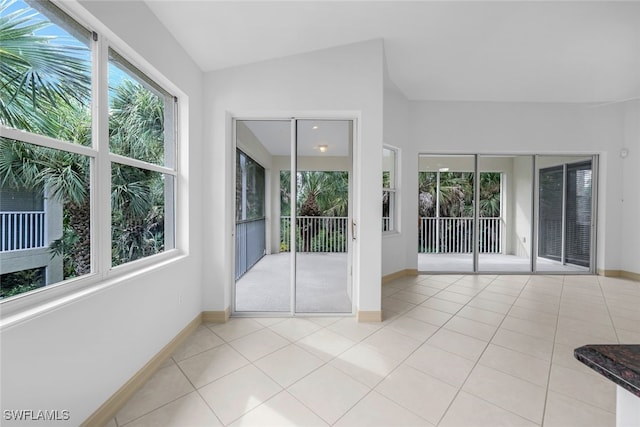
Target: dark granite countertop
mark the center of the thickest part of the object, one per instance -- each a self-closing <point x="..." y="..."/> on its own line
<point x="618" y="362"/>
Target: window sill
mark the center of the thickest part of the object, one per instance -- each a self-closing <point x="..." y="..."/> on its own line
<point x="390" y="234"/>
<point x="30" y="305"/>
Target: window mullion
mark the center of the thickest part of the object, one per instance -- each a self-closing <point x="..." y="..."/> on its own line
<point x="46" y="141"/>
<point x="101" y="189"/>
<point x="140" y="164"/>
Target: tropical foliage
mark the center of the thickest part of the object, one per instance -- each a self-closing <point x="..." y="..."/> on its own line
<point x="38" y="73"/>
<point x="319" y="194"/>
<point x="456" y="194"/>
<point x="456" y="201"/>
<point x="328" y="192"/>
<point x="45" y="88"/>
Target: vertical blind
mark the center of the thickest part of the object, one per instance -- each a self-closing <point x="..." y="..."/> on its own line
<point x="577" y="213"/>
<point x="550" y="222"/>
<point x="578" y="228"/>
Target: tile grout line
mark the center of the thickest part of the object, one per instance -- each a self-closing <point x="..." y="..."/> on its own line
<point x="606" y="304"/>
<point x="324" y="363"/>
<point x="563" y="297"/>
<point x="553" y="348"/>
<point x="372" y="389"/>
<point x="223" y="376"/>
<point x="478" y="361"/>
<point x="440" y="328"/>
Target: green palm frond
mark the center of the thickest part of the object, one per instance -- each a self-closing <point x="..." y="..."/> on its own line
<point x="37" y="72"/>
<point x="136" y="125"/>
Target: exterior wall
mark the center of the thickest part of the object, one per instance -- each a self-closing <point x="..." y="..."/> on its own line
<point x="28" y="259"/>
<point x="344" y="82"/>
<point x="75" y="353"/>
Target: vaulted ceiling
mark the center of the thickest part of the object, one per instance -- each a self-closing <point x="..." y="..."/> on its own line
<point x="537" y="51"/>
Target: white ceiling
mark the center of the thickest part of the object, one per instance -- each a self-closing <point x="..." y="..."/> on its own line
<point x="537" y="51"/>
<point x="275" y="137"/>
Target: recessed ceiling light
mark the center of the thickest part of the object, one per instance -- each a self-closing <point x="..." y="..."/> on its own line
<point x="323" y="148"/>
<point x="314" y="127"/>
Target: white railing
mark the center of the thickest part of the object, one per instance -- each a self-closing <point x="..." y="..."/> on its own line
<point x="315" y="233"/>
<point x="22" y="230"/>
<point x="455" y="235"/>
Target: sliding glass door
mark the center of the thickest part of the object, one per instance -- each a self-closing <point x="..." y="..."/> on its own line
<point x="263" y="266"/>
<point x="299" y="261"/>
<point x="505" y="213"/>
<point x="565" y="214"/>
<point x="446" y="213"/>
<point x="524" y="213"/>
<point x="323" y="172"/>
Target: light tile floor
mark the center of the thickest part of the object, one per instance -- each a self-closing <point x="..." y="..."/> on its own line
<point x="452" y="351"/>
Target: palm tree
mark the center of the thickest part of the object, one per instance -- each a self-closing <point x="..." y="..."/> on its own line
<point x="320" y="193"/>
<point x="136" y="124"/>
<point x="456" y="194"/>
<point x="330" y="189"/>
<point x="65" y="176"/>
<point x="456" y="198"/>
<point x="38" y="73"/>
<point x="136" y="129"/>
<point x="45" y="89"/>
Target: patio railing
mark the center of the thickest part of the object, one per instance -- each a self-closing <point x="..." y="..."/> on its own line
<point x="22" y="230"/>
<point x="455" y="235"/>
<point x="315" y="233"/>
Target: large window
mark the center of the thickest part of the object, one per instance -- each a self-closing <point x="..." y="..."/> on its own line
<point x="141" y="143"/>
<point x="389" y="190"/>
<point x="56" y="165"/>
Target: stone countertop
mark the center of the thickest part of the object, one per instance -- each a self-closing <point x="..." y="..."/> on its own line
<point x="618" y="362"/>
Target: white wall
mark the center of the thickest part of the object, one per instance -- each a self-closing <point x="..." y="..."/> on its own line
<point x="396" y="252"/>
<point x="521" y="206"/>
<point x="525" y="128"/>
<point x="630" y="189"/>
<point x="77" y="355"/>
<point x="344" y="82"/>
<point x="250" y="145"/>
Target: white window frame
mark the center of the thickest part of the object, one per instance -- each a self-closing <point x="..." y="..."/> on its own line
<point x="394" y="204"/>
<point x="22" y="306"/>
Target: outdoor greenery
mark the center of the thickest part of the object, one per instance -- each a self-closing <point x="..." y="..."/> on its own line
<point x="45" y="88"/>
<point x="319" y="194"/>
<point x="456" y="194"/>
<point x="456" y="201"/>
<point x="21" y="281"/>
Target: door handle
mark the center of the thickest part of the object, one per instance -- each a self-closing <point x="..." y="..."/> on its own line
<point x="353" y="230"/>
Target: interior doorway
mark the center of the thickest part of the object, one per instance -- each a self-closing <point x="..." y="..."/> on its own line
<point x="301" y="258"/>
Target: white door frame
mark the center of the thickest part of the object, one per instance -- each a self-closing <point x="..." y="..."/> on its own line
<point x="293" y="119"/>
